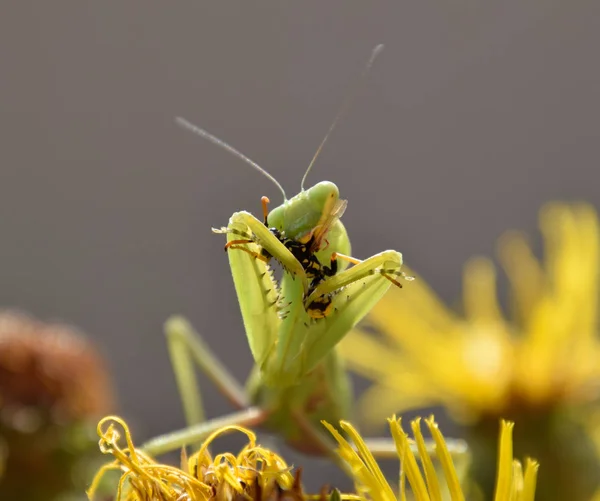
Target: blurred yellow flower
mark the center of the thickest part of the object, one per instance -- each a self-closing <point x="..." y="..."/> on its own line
<point x="254" y="474"/>
<point x="480" y="362"/>
<point x="538" y="368"/>
<point x="425" y="483"/>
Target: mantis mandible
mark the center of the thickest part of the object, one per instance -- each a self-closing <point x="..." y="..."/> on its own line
<point x="293" y="326"/>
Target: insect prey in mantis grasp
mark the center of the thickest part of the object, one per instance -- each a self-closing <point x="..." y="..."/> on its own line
<point x="292" y="325"/>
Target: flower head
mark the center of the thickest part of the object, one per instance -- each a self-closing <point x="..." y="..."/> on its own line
<point x="254" y="474"/>
<point x="538" y="366"/>
<point x="53" y="387"/>
<point x="50" y="369"/>
<point x="426" y="483"/>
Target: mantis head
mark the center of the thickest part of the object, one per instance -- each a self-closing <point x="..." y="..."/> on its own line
<point x="314" y="212"/>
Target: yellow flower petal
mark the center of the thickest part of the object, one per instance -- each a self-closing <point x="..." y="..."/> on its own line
<point x="446" y="460"/>
<point x="433" y="485"/>
<point x="371" y="485"/>
<point x="369" y="480"/>
<point x="504" y="476"/>
<point x="409" y="462"/>
<point x="524" y="273"/>
<point x="530" y="479"/>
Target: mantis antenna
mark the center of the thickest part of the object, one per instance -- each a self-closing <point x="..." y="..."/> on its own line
<point x="350" y="97"/>
<point x="215" y="140"/>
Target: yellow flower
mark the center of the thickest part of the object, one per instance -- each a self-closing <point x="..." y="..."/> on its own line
<point x="254" y="474"/>
<point x="426" y="484"/>
<point x="538" y="367"/>
<point x="258" y="474"/>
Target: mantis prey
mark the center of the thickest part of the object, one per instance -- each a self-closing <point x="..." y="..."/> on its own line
<point x="292" y="326"/>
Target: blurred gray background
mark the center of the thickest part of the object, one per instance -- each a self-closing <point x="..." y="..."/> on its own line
<point x="474" y="115"/>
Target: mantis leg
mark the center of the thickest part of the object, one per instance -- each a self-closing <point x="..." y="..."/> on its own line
<point x="353" y="293"/>
<point x="168" y="442"/>
<point x="384" y="272"/>
<point x="187" y="349"/>
<point x="385" y="264"/>
<point x="247" y="226"/>
<point x="260" y="297"/>
<point x="385" y="448"/>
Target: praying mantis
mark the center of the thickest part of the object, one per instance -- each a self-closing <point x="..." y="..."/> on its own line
<point x="293" y="326"/>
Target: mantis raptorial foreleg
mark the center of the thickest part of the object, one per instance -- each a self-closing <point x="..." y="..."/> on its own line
<point x="254" y="231"/>
<point x="385" y="263"/>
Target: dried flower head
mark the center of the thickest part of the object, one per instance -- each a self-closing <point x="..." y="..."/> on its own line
<point x="51" y="368"/>
<point x="53" y="387"/>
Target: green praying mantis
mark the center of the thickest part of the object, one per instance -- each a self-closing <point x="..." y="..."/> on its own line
<point x="293" y="325"/>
